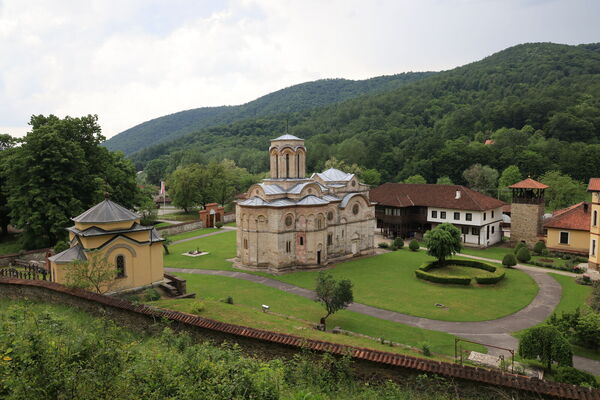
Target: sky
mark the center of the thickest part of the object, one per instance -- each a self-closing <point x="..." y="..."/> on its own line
<point x="129" y="61"/>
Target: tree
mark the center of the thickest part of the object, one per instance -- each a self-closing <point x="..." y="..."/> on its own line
<point x="59" y="171"/>
<point x="186" y="186"/>
<point x="563" y="191"/>
<point x="371" y="177"/>
<point x="156" y="170"/>
<point x="444" y="180"/>
<point x="415" y="179"/>
<point x="595" y="297"/>
<point x="334" y="295"/>
<point x="7" y="144"/>
<point x="96" y="273"/>
<point x="509" y="176"/>
<point x="523" y="254"/>
<point x="343" y="166"/>
<point x="482" y="178"/>
<point x="509" y="260"/>
<point x="587" y="330"/>
<point x="548" y="344"/>
<point x="443" y="241"/>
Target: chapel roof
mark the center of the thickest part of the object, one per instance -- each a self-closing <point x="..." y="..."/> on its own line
<point x="335" y="175"/>
<point x="529" y="184"/>
<point x="576" y="217"/>
<point x="74" y="253"/>
<point x="429" y="195"/>
<point x="106" y="211"/>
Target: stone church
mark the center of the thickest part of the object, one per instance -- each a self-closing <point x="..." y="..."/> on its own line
<point x="290" y="221"/>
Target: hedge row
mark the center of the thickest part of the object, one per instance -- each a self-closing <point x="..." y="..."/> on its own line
<point x="441" y="279"/>
<point x="423" y="273"/>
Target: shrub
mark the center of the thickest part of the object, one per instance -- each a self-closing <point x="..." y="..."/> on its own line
<point x="519" y="246"/>
<point x="393" y="248"/>
<point x="423" y="273"/>
<point x="488" y="280"/>
<point x="414" y="245"/>
<point x="228" y="300"/>
<point x="383" y="245"/>
<point x="425" y="348"/>
<point x="219" y="225"/>
<point x="523" y="254"/>
<point x="587" y="330"/>
<point x="199" y="307"/>
<point x="574" y="377"/>
<point x="509" y="260"/>
<point x="60" y="246"/>
<point x="399" y="243"/>
<point x="441" y="279"/>
<point x="151" y="295"/>
<point x="539" y="247"/>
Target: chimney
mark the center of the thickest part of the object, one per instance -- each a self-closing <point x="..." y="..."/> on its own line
<point x="457" y="195"/>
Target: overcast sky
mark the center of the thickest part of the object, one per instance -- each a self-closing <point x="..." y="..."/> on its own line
<point x="133" y="60"/>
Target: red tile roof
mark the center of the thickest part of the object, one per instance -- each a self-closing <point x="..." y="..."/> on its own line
<point x="489" y="141"/>
<point x="594" y="185"/>
<point x="576" y="217"/>
<point x="428" y="195"/>
<point x="529" y="184"/>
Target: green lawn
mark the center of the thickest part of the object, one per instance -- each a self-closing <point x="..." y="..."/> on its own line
<point x="230" y="223"/>
<point x="161" y="224"/>
<point x="9" y="244"/>
<point x="296" y="315"/>
<point x="182" y="216"/>
<point x="220" y="248"/>
<point x="388" y="281"/>
<point x="197" y="232"/>
<point x="494" y="252"/>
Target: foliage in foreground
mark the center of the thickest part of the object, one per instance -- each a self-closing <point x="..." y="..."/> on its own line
<point x="46" y="355"/>
<point x="547" y="344"/>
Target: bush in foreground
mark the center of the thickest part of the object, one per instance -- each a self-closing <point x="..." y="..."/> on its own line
<point x="509" y="260"/>
<point x="414" y="245"/>
<point x="523" y="255"/>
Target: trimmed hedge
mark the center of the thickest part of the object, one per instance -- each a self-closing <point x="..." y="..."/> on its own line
<point x="497" y="273"/>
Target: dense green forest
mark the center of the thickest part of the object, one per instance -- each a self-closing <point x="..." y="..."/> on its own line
<point x="540" y="103"/>
<point x="296" y="98"/>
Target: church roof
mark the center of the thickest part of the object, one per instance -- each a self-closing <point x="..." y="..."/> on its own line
<point x="335" y="175"/>
<point x="594" y="185"/>
<point x="155" y="236"/>
<point x="96" y="231"/>
<point x="286" y="137"/>
<point x="71" y="254"/>
<point x="106" y="211"/>
<point x="311" y="200"/>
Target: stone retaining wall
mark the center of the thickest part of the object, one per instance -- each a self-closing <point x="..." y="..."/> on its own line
<point x="368" y="362"/>
<point x="180" y="228"/>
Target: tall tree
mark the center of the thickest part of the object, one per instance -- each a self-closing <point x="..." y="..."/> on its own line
<point x="510" y="175"/>
<point x="60" y="170"/>
<point x="334" y="295"/>
<point x="482" y="178"/>
<point x="7" y="144"/>
<point x="443" y="241"/>
<point x="563" y="191"/>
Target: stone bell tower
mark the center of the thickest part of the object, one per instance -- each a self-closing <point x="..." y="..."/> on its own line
<point x="287" y="156"/>
<point x="527" y="210"/>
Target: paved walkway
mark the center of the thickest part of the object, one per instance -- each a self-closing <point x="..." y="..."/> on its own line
<point x="497" y="332"/>
<point x="222" y="230"/>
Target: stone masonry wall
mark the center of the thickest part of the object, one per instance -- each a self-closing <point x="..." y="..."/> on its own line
<point x="526" y="222"/>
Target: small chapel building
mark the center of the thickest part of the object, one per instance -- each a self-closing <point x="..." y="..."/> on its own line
<point x="289" y="221"/>
<point x="135" y="250"/>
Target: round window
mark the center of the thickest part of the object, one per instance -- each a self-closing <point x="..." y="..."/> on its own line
<point x="355" y="209"/>
<point x="330" y="215"/>
<point x="288" y="220"/>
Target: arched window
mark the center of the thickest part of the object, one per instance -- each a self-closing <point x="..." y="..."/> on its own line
<point x="120" y="266"/>
<point x="595" y="218"/>
<point x="287" y="165"/>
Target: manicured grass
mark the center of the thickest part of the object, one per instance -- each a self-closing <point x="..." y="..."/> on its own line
<point x="161" y="224"/>
<point x="182" y="216"/>
<point x="494" y="252"/>
<point x="197" y="232"/>
<point x="220" y="247"/>
<point x="573" y="295"/>
<point x="296" y="315"/>
<point x="10" y="244"/>
<point x="461" y="272"/>
<point x="388" y="281"/>
<point x="230" y="224"/>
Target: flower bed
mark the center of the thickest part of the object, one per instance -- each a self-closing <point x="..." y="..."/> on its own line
<point x="427" y="272"/>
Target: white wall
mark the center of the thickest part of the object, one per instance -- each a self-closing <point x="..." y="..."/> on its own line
<point x="477" y="221"/>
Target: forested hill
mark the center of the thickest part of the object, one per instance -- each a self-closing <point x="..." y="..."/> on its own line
<point x="292" y="99"/>
<point x="540" y="102"/>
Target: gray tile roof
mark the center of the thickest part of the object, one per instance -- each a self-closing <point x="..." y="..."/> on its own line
<point x="106" y="211"/>
<point x="71" y="254"/>
<point x="287" y="137"/>
<point x="335" y="175"/>
<point x="155" y="236"/>
<point x="311" y="200"/>
<point x="95" y="231"/>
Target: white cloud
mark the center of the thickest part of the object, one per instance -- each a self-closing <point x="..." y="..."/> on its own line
<point x="129" y="61"/>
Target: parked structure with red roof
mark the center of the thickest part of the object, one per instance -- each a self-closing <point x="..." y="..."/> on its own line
<point x="409" y="210"/>
<point x="569" y="229"/>
<point x="594" y="240"/>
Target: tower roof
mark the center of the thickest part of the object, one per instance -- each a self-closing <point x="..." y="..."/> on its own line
<point x="286" y="137"/>
<point x="594" y="185"/>
<point x="106" y="211"/>
<point x="529" y="184"/>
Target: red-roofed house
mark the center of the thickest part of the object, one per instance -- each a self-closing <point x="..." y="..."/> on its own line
<point x="409" y="210"/>
<point x="594" y="254"/>
<point x="569" y="229"/>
